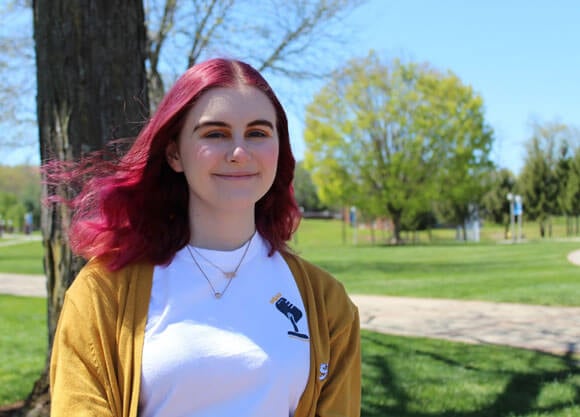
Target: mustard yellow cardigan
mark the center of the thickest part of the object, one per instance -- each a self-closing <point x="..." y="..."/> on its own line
<point x="96" y="356"/>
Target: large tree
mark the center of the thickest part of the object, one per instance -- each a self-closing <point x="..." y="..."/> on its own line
<point x="541" y="181"/>
<point x="295" y="39"/>
<point x="19" y="194"/>
<point x="453" y="116"/>
<point x="571" y="197"/>
<point x="92" y="87"/>
<point x="385" y="136"/>
<point x="358" y="140"/>
<point x="305" y="190"/>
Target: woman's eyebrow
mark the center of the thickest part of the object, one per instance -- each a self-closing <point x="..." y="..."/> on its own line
<point x="261" y="122"/>
<point x="210" y="123"/>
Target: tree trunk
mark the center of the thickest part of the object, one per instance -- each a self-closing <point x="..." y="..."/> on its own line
<point x="92" y="87"/>
<point x="397" y="227"/>
<point x="344" y="220"/>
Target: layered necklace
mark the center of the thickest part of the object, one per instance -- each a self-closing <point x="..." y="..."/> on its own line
<point x="229" y="275"/>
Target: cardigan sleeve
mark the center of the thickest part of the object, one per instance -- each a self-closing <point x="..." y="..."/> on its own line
<point x="341" y="394"/>
<point x="82" y="381"/>
<point x="334" y="388"/>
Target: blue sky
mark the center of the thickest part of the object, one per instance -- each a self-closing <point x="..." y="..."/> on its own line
<point x="522" y="57"/>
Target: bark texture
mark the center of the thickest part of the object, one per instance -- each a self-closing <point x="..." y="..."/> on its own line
<point x="92" y="88"/>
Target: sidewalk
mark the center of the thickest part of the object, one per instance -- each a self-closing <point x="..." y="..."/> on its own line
<point x="10" y="239"/>
<point x="24" y="285"/>
<point x="549" y="329"/>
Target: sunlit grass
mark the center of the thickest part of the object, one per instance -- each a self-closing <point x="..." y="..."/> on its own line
<point x="403" y="377"/>
<point x="535" y="272"/>
<point x="23" y="344"/>
<point x="21" y="257"/>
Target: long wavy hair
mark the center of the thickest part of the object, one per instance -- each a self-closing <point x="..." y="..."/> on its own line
<point x="135" y="209"/>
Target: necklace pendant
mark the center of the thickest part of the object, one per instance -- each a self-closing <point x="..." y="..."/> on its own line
<point x="230" y="275"/>
<point x="217" y="295"/>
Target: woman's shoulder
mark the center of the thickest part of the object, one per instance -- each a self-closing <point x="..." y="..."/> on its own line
<point x="322" y="283"/>
<point x="95" y="279"/>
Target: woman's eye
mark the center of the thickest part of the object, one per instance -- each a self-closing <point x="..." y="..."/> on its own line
<point x="214" y="134"/>
<point x="258" y="134"/>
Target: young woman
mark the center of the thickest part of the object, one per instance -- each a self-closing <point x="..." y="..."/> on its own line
<point x="192" y="304"/>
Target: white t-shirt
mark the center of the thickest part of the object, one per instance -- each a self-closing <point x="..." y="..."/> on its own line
<point x="246" y="354"/>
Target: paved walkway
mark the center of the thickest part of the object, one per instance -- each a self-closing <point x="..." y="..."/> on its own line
<point x="25" y="285"/>
<point x="17" y="238"/>
<point x="550" y="329"/>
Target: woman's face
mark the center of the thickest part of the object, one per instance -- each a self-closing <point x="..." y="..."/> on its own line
<point x="227" y="149"/>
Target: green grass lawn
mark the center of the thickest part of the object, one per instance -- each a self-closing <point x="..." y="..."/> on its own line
<point x="414" y="377"/>
<point x="23" y="344"/>
<point x="23" y="257"/>
<point x="402" y="376"/>
<point x="535" y="272"/>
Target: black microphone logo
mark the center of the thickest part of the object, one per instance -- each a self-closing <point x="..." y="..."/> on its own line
<point x="293" y="314"/>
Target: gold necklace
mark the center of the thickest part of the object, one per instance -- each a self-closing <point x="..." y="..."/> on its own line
<point x="218" y="294"/>
<point x="227" y="274"/>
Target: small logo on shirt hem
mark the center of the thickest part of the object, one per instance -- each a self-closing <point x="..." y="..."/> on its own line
<point x="323" y="371"/>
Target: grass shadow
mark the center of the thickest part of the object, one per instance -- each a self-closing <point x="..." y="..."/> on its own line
<point x="411" y="377"/>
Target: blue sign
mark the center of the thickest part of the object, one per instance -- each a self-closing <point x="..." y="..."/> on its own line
<point x="352" y="216"/>
<point x="518" y="207"/>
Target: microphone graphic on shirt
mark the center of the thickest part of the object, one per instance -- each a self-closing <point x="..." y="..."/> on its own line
<point x="293" y="314"/>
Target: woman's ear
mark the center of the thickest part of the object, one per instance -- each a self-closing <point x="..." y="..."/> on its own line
<point x="172" y="156"/>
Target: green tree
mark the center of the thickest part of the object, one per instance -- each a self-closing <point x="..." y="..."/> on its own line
<point x="537" y="185"/>
<point x="11" y="211"/>
<point x="384" y="137"/>
<point x="359" y="140"/>
<point x="495" y="204"/>
<point x="571" y="200"/>
<point x="18" y="179"/>
<point x="545" y="166"/>
<point x="562" y="176"/>
<point x="23" y="181"/>
<point x="454" y="117"/>
<point x="305" y="190"/>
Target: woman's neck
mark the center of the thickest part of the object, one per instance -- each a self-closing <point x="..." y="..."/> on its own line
<point x="228" y="231"/>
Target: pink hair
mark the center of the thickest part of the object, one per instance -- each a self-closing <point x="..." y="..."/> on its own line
<point x="137" y="208"/>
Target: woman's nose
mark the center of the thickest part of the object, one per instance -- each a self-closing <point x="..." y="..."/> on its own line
<point x="239" y="151"/>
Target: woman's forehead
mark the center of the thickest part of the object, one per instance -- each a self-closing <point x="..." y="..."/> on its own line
<point x="240" y="103"/>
